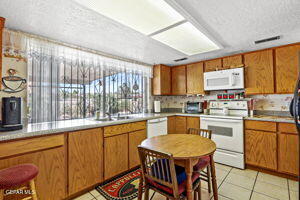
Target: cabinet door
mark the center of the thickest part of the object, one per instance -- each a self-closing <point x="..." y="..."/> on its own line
<point x="194" y="76"/>
<point x="135" y="139"/>
<point x="192" y="122"/>
<point x="259" y="72"/>
<point x="180" y="125"/>
<point x="288" y="152"/>
<point x="179" y="80"/>
<point x="287" y="63"/>
<point x="232" y="62"/>
<point x="171" y="125"/>
<point x="261" y="149"/>
<point x="50" y="182"/>
<point x="213" y="65"/>
<point x="85" y="159"/>
<point x="115" y="155"/>
<point x="161" y="82"/>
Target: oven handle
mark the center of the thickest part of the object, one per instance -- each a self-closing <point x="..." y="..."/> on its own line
<point x="222" y="120"/>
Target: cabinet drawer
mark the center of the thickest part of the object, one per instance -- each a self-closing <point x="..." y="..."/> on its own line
<point x="30" y="145"/>
<point x="124" y="128"/>
<point x="287" y="128"/>
<point x="260" y="125"/>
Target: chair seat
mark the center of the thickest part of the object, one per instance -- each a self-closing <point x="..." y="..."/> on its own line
<point x="181" y="180"/>
<point x="17" y="175"/>
<point x="202" y="163"/>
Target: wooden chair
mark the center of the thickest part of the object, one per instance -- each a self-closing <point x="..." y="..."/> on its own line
<point x="160" y="174"/>
<point x="17" y="176"/>
<point x="205" y="161"/>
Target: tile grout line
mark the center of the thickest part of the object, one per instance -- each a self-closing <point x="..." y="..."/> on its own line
<point x="288" y="189"/>
<point x="222" y="183"/>
<point x="253" y="186"/>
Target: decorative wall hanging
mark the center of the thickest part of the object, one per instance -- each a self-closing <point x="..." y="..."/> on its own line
<point x="13" y="83"/>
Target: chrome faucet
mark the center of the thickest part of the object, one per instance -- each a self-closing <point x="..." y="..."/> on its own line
<point x="109" y="116"/>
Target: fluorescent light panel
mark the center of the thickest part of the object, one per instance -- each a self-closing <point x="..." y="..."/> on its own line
<point x="145" y="16"/>
<point x="187" y="39"/>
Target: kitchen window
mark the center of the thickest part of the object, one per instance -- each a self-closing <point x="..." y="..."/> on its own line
<point x="64" y="83"/>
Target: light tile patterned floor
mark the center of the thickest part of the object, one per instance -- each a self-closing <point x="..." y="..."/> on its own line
<point x="236" y="184"/>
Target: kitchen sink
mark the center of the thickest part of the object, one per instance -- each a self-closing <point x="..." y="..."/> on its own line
<point x="105" y="119"/>
<point x="123" y="117"/>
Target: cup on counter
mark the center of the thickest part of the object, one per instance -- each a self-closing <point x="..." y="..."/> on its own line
<point x="97" y="115"/>
<point x="205" y="111"/>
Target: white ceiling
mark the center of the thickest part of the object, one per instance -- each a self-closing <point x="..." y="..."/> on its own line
<point x="235" y="24"/>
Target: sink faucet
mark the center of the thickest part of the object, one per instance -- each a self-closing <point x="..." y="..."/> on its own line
<point x="109" y="116"/>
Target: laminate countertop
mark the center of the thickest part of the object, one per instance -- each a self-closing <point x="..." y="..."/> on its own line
<point x="48" y="128"/>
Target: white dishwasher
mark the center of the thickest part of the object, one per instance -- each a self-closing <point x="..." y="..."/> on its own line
<point x="157" y="127"/>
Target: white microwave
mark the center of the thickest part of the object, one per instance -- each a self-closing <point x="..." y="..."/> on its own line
<point x="228" y="79"/>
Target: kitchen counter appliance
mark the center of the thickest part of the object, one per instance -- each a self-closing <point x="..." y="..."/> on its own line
<point x="228" y="79"/>
<point x="227" y="130"/>
<point x="11" y="114"/>
<point x="194" y="107"/>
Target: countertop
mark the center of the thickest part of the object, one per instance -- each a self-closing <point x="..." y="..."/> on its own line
<point x="47" y="128"/>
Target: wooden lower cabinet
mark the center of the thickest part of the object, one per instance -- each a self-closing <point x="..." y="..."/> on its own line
<point x="180" y="125"/>
<point x="192" y="122"/>
<point x="85" y="159"/>
<point x="171" y="125"/>
<point x="135" y="139"/>
<point x="261" y="149"/>
<point x="115" y="155"/>
<point x="288" y="151"/>
<point x="51" y="181"/>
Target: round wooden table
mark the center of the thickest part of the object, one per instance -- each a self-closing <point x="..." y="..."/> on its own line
<point x="186" y="150"/>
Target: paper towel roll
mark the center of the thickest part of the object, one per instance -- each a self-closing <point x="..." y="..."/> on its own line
<point x="157" y="106"/>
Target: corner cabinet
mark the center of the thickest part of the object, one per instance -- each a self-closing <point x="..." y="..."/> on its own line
<point x="85" y="159"/>
<point x="259" y="72"/>
<point x="287" y="64"/>
<point x="161" y="81"/>
<point x="179" y="80"/>
<point x="194" y="76"/>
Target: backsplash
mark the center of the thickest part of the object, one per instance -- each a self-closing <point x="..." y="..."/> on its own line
<point x="272" y="102"/>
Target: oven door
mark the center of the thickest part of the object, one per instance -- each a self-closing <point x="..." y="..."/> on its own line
<point x="228" y="134"/>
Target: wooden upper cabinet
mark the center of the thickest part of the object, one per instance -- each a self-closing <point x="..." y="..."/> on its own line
<point x="213" y="65"/>
<point x="259" y="72"/>
<point x="261" y="149"/>
<point x="194" y="76"/>
<point x="287" y="63"/>
<point x="179" y="80"/>
<point x="135" y="139"/>
<point x="161" y="81"/>
<point x="232" y="62"/>
<point x="85" y="159"/>
<point x="2" y="21"/>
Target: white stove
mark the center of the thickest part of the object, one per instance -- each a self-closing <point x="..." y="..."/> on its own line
<point x="227" y="130"/>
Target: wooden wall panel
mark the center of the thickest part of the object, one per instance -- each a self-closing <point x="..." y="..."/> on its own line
<point x="85" y="159"/>
<point x="194" y="75"/>
<point x="179" y="80"/>
<point x="115" y="155"/>
<point x="259" y="71"/>
<point x="135" y="139"/>
<point x="261" y="149"/>
<point x="288" y="151"/>
<point x="50" y="182"/>
<point x="287" y="64"/>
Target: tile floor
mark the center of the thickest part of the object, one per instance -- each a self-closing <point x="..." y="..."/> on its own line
<point x="237" y="184"/>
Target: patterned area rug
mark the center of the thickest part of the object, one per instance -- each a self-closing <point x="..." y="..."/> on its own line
<point x="124" y="187"/>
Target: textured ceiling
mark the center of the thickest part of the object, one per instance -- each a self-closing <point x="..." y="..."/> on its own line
<point x="235" y="24"/>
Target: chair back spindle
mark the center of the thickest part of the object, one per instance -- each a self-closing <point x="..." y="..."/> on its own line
<point x="202" y="132"/>
<point x="158" y="167"/>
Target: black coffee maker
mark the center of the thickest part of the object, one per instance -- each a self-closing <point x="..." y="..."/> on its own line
<point x="11" y="114"/>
